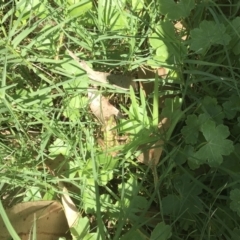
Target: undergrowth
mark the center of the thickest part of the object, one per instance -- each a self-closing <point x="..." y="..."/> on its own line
<point x="49" y="133"/>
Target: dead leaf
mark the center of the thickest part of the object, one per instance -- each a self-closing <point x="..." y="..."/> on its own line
<point x="71" y="212"/>
<point x="152" y="153"/>
<point x="101" y="107"/>
<point x="50" y="220"/>
<point x="144" y="73"/>
<point x="78" y="225"/>
<point x="120" y="81"/>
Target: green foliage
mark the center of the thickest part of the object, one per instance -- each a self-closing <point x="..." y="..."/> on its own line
<point x="161" y="231"/>
<point x="231" y="107"/>
<point x="186" y="201"/>
<point x="235" y="197"/>
<point x="25" y="10"/>
<point x="233" y="29"/>
<point x="208" y="34"/>
<point x="193" y="192"/>
<point x="168" y="46"/>
<point x="59" y="147"/>
<point x="216" y="144"/>
<point x="74" y="105"/>
<point x="207" y="126"/>
<point x="212" y="109"/>
<point x="175" y="10"/>
<point x="78" y="8"/>
<point x="191" y="130"/>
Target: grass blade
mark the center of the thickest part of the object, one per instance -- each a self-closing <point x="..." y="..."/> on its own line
<point x="8" y="224"/>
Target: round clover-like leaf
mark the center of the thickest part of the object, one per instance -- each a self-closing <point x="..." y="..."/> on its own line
<point x="208" y="34"/>
<point x="216" y="145"/>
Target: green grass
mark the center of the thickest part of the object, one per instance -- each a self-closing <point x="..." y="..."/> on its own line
<point x="46" y="120"/>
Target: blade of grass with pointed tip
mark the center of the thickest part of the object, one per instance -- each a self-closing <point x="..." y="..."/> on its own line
<point x="34" y="229"/>
<point x="7" y="223"/>
<point x="134" y="103"/>
<point x="23" y="34"/>
<point x="101" y="227"/>
<point x="155" y="102"/>
<point x="144" y="107"/>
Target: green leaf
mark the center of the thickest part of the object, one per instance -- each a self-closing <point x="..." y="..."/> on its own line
<point x="92" y="236"/>
<point x="209" y="33"/>
<point x="155" y="112"/>
<point x="131" y="187"/>
<point x="231" y="107"/>
<point x="183" y="154"/>
<point x="168" y="7"/>
<point x="72" y="110"/>
<point x="172" y="111"/>
<point x="165" y="30"/>
<point x="33" y="193"/>
<point x="130" y="197"/>
<point x="171" y="204"/>
<point x="203" y="118"/>
<point x="176" y="10"/>
<point x="72" y="67"/>
<point x="233" y="31"/>
<point x="89" y="196"/>
<point x="23" y="35"/>
<point x="172" y="107"/>
<point x="134" y="105"/>
<point x="187" y="200"/>
<point x="59" y="147"/>
<point x="104" y="177"/>
<point x="80" y="228"/>
<point x="80" y="84"/>
<point x="46" y="40"/>
<point x="139" y="120"/>
<point x="216" y="145"/>
<point x="7" y="223"/>
<point x="235" y="234"/>
<point x="114" y="18"/>
<point x="138" y="202"/>
<point x="169" y="48"/>
<point x="232" y="162"/>
<point x="185" y="7"/>
<point x="185" y="186"/>
<point x="212" y="109"/>
<point x="106" y="161"/>
<point x="137" y="5"/>
<point x="162" y="53"/>
<point x="29" y="8"/>
<point x="238" y="119"/>
<point x="235" y="199"/>
<point x="134" y="235"/>
<point x="177" y="205"/>
<point x="78" y="7"/>
<point x="161" y="232"/>
<point x="191" y="130"/>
